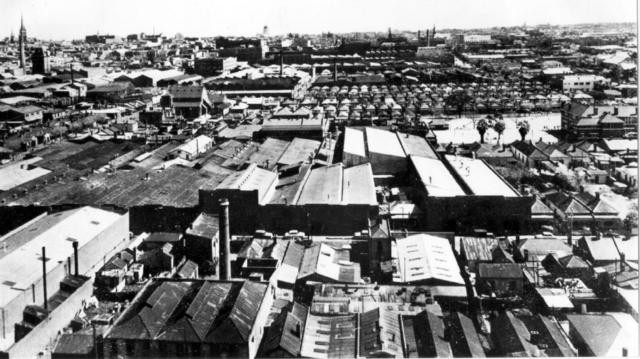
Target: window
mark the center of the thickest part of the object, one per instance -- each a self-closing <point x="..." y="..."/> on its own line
<point x="129" y="347"/>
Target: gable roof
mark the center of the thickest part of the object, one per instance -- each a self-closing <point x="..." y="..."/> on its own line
<point x="603" y="249"/>
<point x="286" y="331"/>
<point x="191" y="311"/>
<point x="595" y="204"/>
<point x="598" y="332"/>
<point x="427" y="257"/>
<point x="539" y="208"/>
<point x="527" y="149"/>
<point x="572" y="262"/>
<point x="478" y="248"/>
<point x="540" y="247"/>
<point x="567" y="204"/>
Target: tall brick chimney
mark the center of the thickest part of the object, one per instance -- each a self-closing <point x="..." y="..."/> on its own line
<point x="75" y="258"/>
<point x="44" y="279"/>
<point x="224" y="239"/>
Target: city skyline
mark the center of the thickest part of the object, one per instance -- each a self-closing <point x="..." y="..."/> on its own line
<point x="198" y="18"/>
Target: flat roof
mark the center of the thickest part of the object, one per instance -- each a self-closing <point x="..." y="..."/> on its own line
<point x="18" y="173"/>
<point x="270" y="150"/>
<point x="298" y="151"/>
<point x="436" y="177"/>
<point x="383" y="142"/>
<point x="251" y="179"/>
<point x="416" y="145"/>
<point x="22" y="266"/>
<point x="354" y="142"/>
<point x="358" y="186"/>
<point x="482" y="180"/>
<point x="323" y="186"/>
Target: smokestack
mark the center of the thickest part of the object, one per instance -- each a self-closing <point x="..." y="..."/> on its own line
<point x="224" y="238"/>
<point x="281" y="63"/>
<point x="428" y="39"/>
<point x="418" y="35"/>
<point x="44" y="278"/>
<point x="335" y="69"/>
<point x="75" y="258"/>
<point x="71" y="68"/>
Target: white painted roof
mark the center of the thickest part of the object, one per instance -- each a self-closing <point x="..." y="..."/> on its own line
<point x="56" y="231"/>
<point x="354" y="142"/>
<point x="195" y="146"/>
<point x="480" y="178"/>
<point x="436" y="177"/>
<point x="18" y="173"/>
<point x="383" y="142"/>
<point x="423" y="256"/>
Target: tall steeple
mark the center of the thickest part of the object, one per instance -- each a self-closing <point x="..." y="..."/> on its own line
<point x="22" y="40"/>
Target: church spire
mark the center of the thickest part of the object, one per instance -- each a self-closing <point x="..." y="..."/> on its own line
<point x="22" y="41"/>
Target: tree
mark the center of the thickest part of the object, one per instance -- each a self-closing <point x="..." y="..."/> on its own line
<point x="458" y="99"/>
<point x="523" y="128"/>
<point x="482" y="127"/>
<point x="631" y="221"/>
<point x="499" y="127"/>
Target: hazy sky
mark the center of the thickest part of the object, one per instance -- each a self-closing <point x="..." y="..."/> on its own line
<point x="72" y="19"/>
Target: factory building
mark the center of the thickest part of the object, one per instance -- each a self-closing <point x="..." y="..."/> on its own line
<point x="29" y="281"/>
<point x="195" y="318"/>
<point x="461" y="194"/>
<point x="323" y="200"/>
<point x="450" y="193"/>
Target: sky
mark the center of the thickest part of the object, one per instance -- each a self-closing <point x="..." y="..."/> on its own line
<point x="73" y="19"/>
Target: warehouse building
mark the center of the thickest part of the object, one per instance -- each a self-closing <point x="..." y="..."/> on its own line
<point x="195" y="318"/>
<point x="98" y="233"/>
<point x="323" y="200"/>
